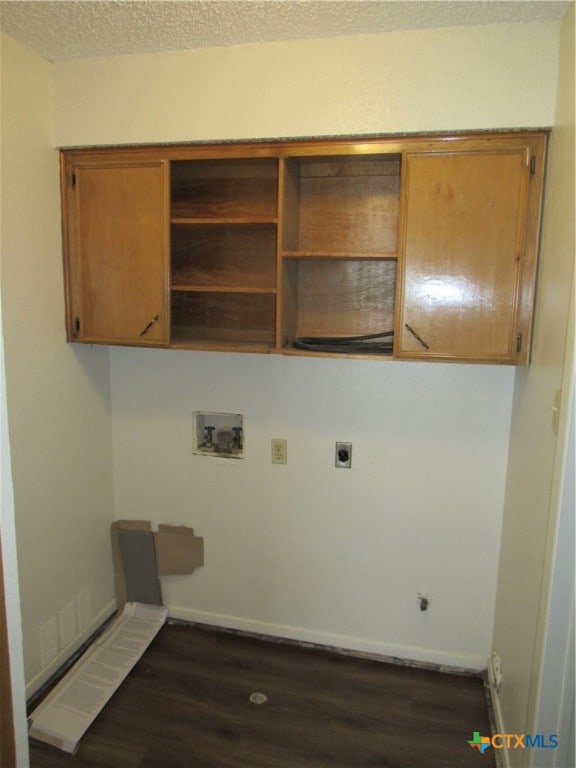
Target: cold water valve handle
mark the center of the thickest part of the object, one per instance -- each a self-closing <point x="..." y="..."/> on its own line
<point x="209" y="436"/>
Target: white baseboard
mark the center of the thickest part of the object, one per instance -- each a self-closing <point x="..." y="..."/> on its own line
<point x="400" y="654"/>
<point x="58" y="661"/>
<point x="501" y="755"/>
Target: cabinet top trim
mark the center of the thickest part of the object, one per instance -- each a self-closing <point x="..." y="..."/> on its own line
<point x="299" y="147"/>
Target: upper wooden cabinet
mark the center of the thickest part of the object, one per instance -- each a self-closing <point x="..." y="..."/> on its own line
<point x="312" y="247"/>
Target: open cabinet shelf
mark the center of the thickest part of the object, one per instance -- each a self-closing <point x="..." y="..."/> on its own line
<point x="238" y="257"/>
<point x="227" y="190"/>
<point x="233" y="319"/>
<point x="339" y="246"/>
<point x="224" y="216"/>
<point x="341" y="206"/>
<point x="337" y="298"/>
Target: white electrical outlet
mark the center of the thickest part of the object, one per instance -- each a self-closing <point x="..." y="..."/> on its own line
<point x="279" y="448"/>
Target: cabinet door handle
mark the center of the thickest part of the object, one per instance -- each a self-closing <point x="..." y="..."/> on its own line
<point x="416" y="336"/>
<point x="150" y="324"/>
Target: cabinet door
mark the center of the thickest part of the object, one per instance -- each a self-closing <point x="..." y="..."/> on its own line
<point x="463" y="237"/>
<point x="117" y="252"/>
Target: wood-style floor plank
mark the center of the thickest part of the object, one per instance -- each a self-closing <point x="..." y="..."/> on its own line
<point x="187" y="704"/>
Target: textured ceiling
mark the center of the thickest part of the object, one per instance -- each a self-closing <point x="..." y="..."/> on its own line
<point x="64" y="30"/>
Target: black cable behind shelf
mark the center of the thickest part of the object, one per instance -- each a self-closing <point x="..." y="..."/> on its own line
<point x="368" y="344"/>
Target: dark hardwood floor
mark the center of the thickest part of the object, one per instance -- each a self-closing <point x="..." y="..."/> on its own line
<point x="187" y="704"/>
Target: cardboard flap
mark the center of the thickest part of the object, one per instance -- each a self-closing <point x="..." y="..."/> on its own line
<point x="178" y="550"/>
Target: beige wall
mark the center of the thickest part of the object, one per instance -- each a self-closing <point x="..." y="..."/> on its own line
<point x="58" y="396"/>
<point x="442" y="79"/>
<point x="306" y="550"/>
<point x="10" y="576"/>
<point x="536" y="449"/>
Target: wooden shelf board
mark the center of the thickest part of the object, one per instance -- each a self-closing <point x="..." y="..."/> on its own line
<point x="187" y="288"/>
<point x="226" y="345"/>
<point x="226" y="220"/>
<point x="357" y="256"/>
<point x="358" y="356"/>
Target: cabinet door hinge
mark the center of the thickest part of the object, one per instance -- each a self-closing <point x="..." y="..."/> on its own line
<point x="532" y="165"/>
<point x="72" y="180"/>
<point x="518" y="342"/>
<point x="76" y="328"/>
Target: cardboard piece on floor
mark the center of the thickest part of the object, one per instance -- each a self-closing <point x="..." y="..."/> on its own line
<point x="178" y="550"/>
<point x="140" y="568"/>
<point x="134" y="558"/>
<point x="141" y="557"/>
<point x="67" y="712"/>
